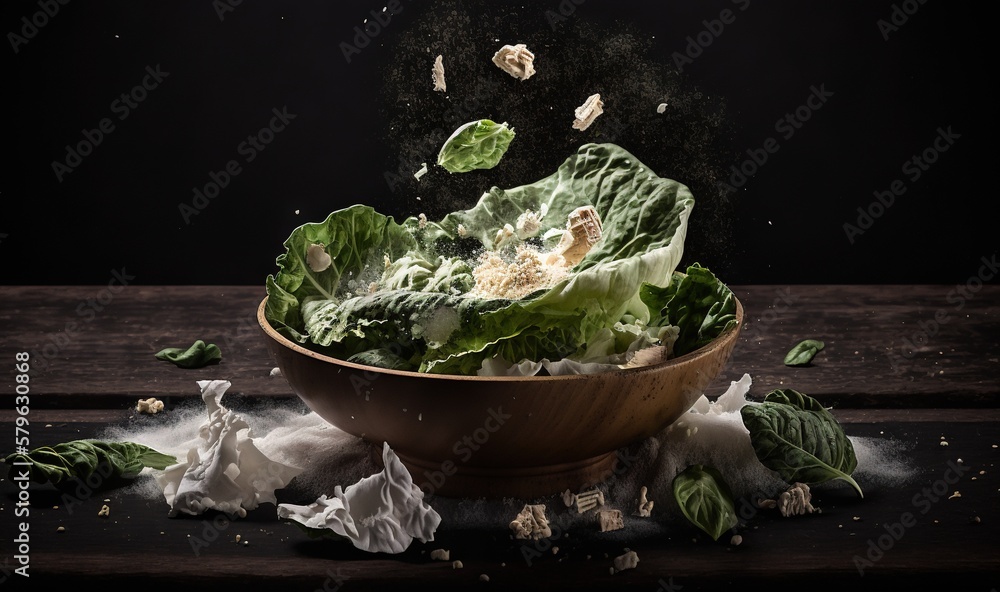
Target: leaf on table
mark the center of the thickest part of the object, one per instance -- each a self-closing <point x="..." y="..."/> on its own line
<point x="800" y="439"/>
<point x="82" y="458"/>
<point x="705" y="499"/>
<point x="198" y="355"/>
<point x="803" y="352"/>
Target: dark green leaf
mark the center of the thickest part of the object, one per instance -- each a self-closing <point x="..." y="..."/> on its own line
<point x="803" y="352"/>
<point x="795" y="436"/>
<point x="705" y="499"/>
<point x="198" y="355"/>
<point x="82" y="458"/>
<point x="697" y="302"/>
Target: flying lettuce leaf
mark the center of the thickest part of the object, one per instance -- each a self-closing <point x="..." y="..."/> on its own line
<point x="406" y="287"/>
<point x="476" y="145"/>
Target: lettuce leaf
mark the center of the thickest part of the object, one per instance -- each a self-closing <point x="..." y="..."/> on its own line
<point x="404" y="287"/>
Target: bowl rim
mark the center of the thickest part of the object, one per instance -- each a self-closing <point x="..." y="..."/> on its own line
<point x="720" y="341"/>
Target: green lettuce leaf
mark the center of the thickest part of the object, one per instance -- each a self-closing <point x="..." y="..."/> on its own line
<point x="475" y="145"/>
<point x="405" y="287"/>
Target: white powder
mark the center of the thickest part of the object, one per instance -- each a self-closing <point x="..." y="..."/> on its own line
<point x="329" y="457"/>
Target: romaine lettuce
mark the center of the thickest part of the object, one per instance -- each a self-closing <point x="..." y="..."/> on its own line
<point x="402" y="292"/>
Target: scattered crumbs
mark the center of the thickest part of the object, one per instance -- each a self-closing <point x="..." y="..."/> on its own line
<point x="296" y="212"/>
<point x="422" y="220"/>
<point x="976" y="520"/>
<point x="441" y="554"/>
<point x="857" y="518"/>
<point x="959" y="461"/>
<point x="736" y="541"/>
<point x="246" y="543"/>
<point x="456" y="565"/>
<point x="238" y="537"/>
<point x="61" y="529"/>
<point x="421" y="172"/>
<point x="49" y="425"/>
<point x="954" y="495"/>
<point x="661" y="108"/>
<point x="555" y="550"/>
<point x="162" y="533"/>
<point x="484" y="578"/>
<point x="944" y="442"/>
<point x="275" y="372"/>
<point x="55" y="507"/>
<point x="104" y="512"/>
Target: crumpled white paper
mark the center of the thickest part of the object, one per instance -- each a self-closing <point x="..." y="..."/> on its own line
<point x="224" y="471"/>
<point x="382" y="513"/>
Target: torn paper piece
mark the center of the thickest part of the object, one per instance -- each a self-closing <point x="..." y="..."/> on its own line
<point x="588" y="112"/>
<point x="224" y="471"/>
<point x="382" y="513"/>
<point x="515" y="60"/>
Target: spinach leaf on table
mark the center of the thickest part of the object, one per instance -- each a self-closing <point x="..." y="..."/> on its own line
<point x="199" y="354"/>
<point x="705" y="499"/>
<point x="795" y="436"/>
<point x="82" y="458"/>
<point x="803" y="352"/>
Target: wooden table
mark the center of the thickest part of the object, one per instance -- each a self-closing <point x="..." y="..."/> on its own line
<point x="919" y="364"/>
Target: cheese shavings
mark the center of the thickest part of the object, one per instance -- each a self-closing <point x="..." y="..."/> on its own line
<point x="224" y="471"/>
<point x="382" y="513"/>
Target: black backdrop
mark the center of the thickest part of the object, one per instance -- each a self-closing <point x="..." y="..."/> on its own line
<point x="784" y="118"/>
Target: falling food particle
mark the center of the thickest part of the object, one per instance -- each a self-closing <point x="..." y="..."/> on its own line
<point x="627" y="561"/>
<point x="422" y="222"/>
<point x="421" y="172"/>
<point x="588" y="112"/>
<point x="61" y="529"/>
<point x="238" y="538"/>
<point x="437" y="74"/>
<point x="275" y="372"/>
<point x="954" y="495"/>
<point x="736" y="541"/>
<point x="944" y="442"/>
<point x="296" y="212"/>
<point x="515" y="60"/>
<point x="456" y="565"/>
<point x="976" y="520"/>
<point x="104" y="512"/>
<point x="661" y="108"/>
<point x="441" y="555"/>
<point x="484" y="578"/>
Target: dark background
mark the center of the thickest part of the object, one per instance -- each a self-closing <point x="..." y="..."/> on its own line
<point x="362" y="127"/>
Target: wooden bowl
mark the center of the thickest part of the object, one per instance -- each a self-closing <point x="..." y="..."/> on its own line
<point x="509" y="436"/>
